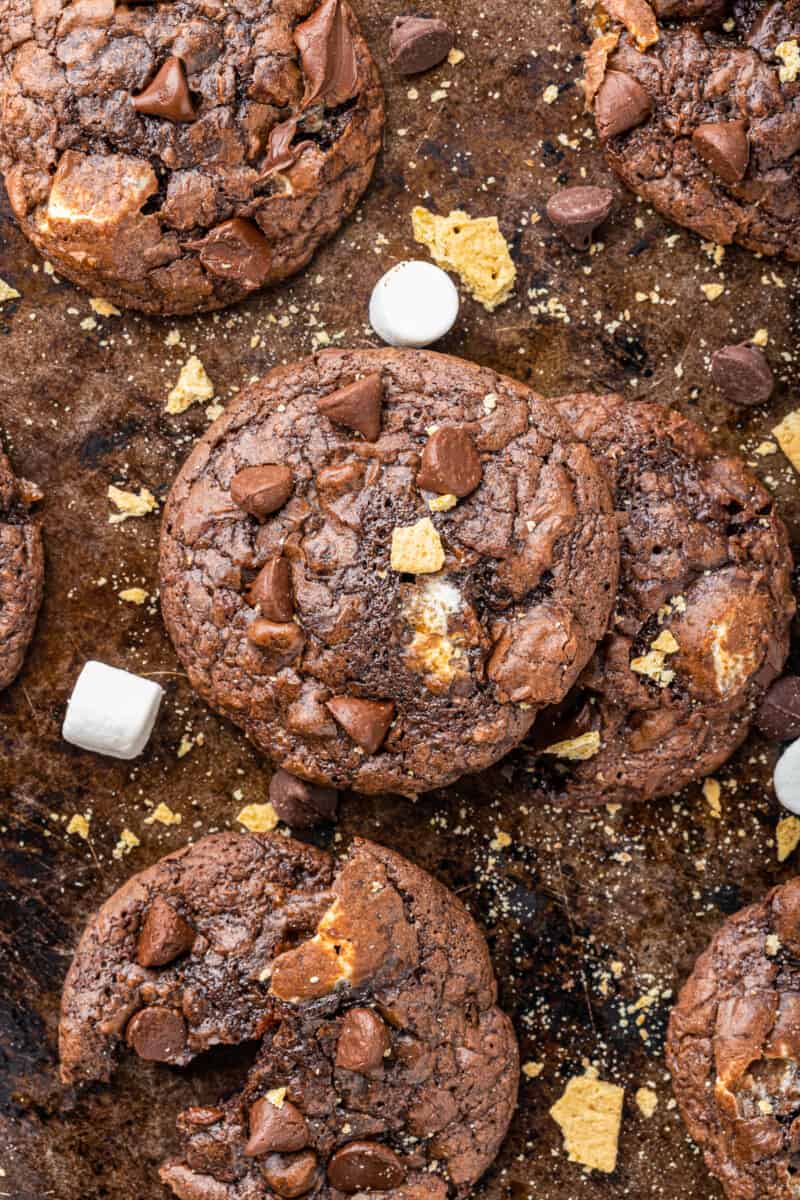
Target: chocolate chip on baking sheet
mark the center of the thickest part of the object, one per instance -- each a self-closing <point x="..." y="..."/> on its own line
<point x="743" y="374"/>
<point x="363" y="1041"/>
<point x="271" y="590"/>
<point x="778" y="715"/>
<point x="621" y="104"/>
<point x="262" y="490"/>
<point x="164" y="935"/>
<point x="274" y="1126"/>
<point x="299" y="803"/>
<point x="365" y="1166"/>
<point x="366" y="721"/>
<point x="576" y="212"/>
<point x="450" y="463"/>
<point x="724" y="146"/>
<point x="419" y="43"/>
<point x="158" y="1035"/>
<point x="167" y="94"/>
<point x="356" y="406"/>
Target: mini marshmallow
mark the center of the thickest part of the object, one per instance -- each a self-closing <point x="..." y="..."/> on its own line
<point x="111" y="711"/>
<point x="413" y="304"/>
<point x="787" y="778"/>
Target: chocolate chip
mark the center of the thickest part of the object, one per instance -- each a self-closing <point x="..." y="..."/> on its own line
<point x="280" y="151"/>
<point x="357" y="406"/>
<point x="724" y="146"/>
<point x="262" y="490"/>
<point x="236" y="250"/>
<point x="290" y="1175"/>
<point x="419" y="43"/>
<point x="199" y="1117"/>
<point x="621" y="104"/>
<point x="285" y="640"/>
<point x="743" y="374"/>
<point x="363" y="1041"/>
<point x="366" y="721"/>
<point x="275" y="1127"/>
<point x="271" y="590"/>
<point x="576" y="212"/>
<point x="164" y="935"/>
<point x="299" y="803"/>
<point x="167" y="94"/>
<point x="328" y="56"/>
<point x="778" y="715"/>
<point x="365" y="1166"/>
<point x="450" y="463"/>
<point x="158" y="1035"/>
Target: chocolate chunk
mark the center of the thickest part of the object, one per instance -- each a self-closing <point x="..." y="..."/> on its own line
<point x="724" y="146"/>
<point x="284" y="639"/>
<point x="366" y="721"/>
<point x="280" y="151"/>
<point x="271" y="590"/>
<point x="328" y="56"/>
<point x="450" y="463"/>
<point x="778" y="715"/>
<point x="164" y="935"/>
<point x="576" y="213"/>
<point x="363" y="1041"/>
<point x="299" y="803"/>
<point x="365" y="1166"/>
<point x="621" y="104"/>
<point x="167" y="94"/>
<point x="200" y="1117"/>
<point x="356" y="406"/>
<point x="275" y="1127"/>
<point x="419" y="43"/>
<point x="262" y="490"/>
<point x="236" y="250"/>
<point x="158" y="1035"/>
<point x="743" y="374"/>
<point x="290" y="1175"/>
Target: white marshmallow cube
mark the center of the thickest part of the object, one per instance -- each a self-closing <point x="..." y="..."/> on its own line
<point x="413" y="304"/>
<point x="111" y="711"/>
<point x="787" y="778"/>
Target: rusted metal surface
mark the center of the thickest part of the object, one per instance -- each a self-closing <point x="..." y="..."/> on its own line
<point x="572" y="895"/>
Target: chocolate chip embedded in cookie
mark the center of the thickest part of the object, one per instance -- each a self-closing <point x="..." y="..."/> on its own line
<point x="21" y="570"/>
<point x="382" y="564"/>
<point x="176" y="157"/>
<point x="703" y="121"/>
<point x="702" y="618"/>
<point x="733" y="1049"/>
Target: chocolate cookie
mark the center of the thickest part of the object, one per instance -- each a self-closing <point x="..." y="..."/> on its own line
<point x="173" y="157"/>
<point x="382" y="564"/>
<point x="701" y="625"/>
<point x="703" y="120"/>
<point x="733" y="1049"/>
<point x="21" y="570"/>
<point x="385" y="1064"/>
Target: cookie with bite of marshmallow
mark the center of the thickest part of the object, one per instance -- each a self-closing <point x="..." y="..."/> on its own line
<point x="382" y="564"/>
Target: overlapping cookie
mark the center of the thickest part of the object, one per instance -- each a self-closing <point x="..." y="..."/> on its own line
<point x="174" y="157"/>
<point x="385" y="1063"/>
<point x="21" y="570"/>
<point x="701" y="623"/>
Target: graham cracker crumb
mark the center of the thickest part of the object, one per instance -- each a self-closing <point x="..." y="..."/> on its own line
<point x="258" y="818"/>
<point x="193" y="386"/>
<point x="590" y="1115"/>
<point x="474" y="248"/>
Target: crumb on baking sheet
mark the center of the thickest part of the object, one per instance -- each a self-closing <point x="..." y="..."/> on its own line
<point x="577" y="749"/>
<point x="193" y="386"/>
<point x="787" y="435"/>
<point x="590" y="1115"/>
<point x="258" y="818"/>
<point x="646" y="1101"/>
<point x="787" y="837"/>
<point x="133" y="595"/>
<point x="712" y="793"/>
<point x="130" y="504"/>
<point x="472" y="247"/>
<point x="79" y="824"/>
<point x="127" y="841"/>
<point x="164" y="815"/>
<point x="7" y="292"/>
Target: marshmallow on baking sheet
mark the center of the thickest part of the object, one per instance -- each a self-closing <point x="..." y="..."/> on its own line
<point x="111" y="711"/>
<point x="787" y="778"/>
<point x="414" y="304"/>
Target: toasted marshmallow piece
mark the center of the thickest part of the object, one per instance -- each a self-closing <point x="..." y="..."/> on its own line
<point x="787" y="778"/>
<point x="413" y="304"/>
<point x="111" y="711"/>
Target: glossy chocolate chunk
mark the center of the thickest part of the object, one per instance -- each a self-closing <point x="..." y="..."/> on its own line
<point x="328" y="56"/>
<point x="450" y="462"/>
<point x="284" y="639"/>
<point x="167" y="94"/>
<point x="262" y="490"/>
<point x="743" y="374"/>
<point x="164" y="935"/>
<point x="365" y="721"/>
<point x="724" y="146"/>
<point x="778" y="715"/>
<point x="419" y="43"/>
<point x="621" y="104"/>
<point x="365" y="1166"/>
<point x="363" y="1041"/>
<point x="271" y="590"/>
<point x="290" y="1175"/>
<point x="356" y="406"/>
<point x="236" y="250"/>
<point x="577" y="212"/>
<point x="275" y="1127"/>
<point x="299" y="803"/>
<point x="157" y="1034"/>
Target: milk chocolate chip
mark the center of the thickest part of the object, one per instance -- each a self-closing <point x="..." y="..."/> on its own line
<point x="363" y="1041"/>
<point x="576" y="212"/>
<point x="419" y="43"/>
<point x="357" y="406"/>
<point x="271" y="590"/>
<point x="724" y="146"/>
<point x="284" y="640"/>
<point x="328" y="56"/>
<point x="621" y="104"/>
<point x="262" y="490"/>
<point x="167" y="94"/>
<point x="743" y="374"/>
<point x="290" y="1175"/>
<point x="236" y="250"/>
<point x="366" y="721"/>
<point x="299" y="803"/>
<point x="275" y="1127"/>
<point x="365" y="1166"/>
<point x="450" y="463"/>
<point x="158" y="1035"/>
<point x="778" y="715"/>
<point x="164" y="935"/>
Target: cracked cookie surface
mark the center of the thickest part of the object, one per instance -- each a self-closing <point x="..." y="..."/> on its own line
<point x="387" y="610"/>
<point x="174" y="157"/>
<point x="701" y="624"/>
<point x="21" y="570"/>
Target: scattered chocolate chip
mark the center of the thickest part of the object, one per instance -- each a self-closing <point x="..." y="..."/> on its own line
<point x="366" y="721"/>
<point x="743" y="374"/>
<point x="164" y="935"/>
<point x="357" y="406"/>
<point x="284" y="639"/>
<point x="620" y="104"/>
<point x="365" y="1166"/>
<point x="363" y="1041"/>
<point x="450" y="463"/>
<point x="275" y="1127"/>
<point x="271" y="590"/>
<point x="576" y="212"/>
<point x="290" y="1175"/>
<point x="262" y="490"/>
<point x="724" y="146"/>
<point x="157" y="1034"/>
<point x="328" y="56"/>
<point x="236" y="250"/>
<point x="419" y="43"/>
<point x="299" y="803"/>
<point x="778" y="715"/>
<point x="167" y="94"/>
